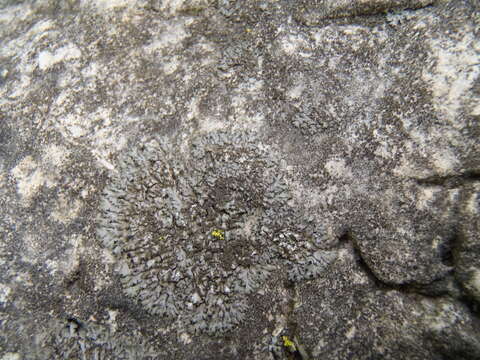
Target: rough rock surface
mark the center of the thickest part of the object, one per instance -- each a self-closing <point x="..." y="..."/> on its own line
<point x="239" y="179"/>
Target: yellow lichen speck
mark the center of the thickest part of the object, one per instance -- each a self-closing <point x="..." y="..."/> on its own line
<point x="219" y="234"/>
<point x="289" y="344"/>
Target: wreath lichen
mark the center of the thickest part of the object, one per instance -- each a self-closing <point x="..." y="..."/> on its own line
<point x="166" y="215"/>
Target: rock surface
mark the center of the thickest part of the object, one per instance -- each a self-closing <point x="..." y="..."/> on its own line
<point x="203" y="179"/>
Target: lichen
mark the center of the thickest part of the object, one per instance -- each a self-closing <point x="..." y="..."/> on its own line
<point x="166" y="214"/>
<point x="289" y="344"/>
<point x="219" y="234"/>
<point x="74" y="339"/>
<point x="311" y="266"/>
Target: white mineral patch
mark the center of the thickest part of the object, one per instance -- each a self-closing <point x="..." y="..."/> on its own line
<point x="293" y="44"/>
<point x="107" y="143"/>
<point x="454" y="74"/>
<point x="47" y="59"/>
<point x="55" y="155"/>
<point x="426" y="195"/>
<point x="91" y="70"/>
<point x="475" y="281"/>
<point x="242" y="118"/>
<point x="208" y="124"/>
<point x="350" y="333"/>
<point x="30" y="178"/>
<point x="352" y="33"/>
<point x="4" y="293"/>
<point x="296" y="91"/>
<point x="171" y="7"/>
<point x="13" y="14"/>
<point x="76" y="125"/>
<point x="32" y="249"/>
<point x="11" y="356"/>
<point x="172" y="37"/>
<point x="108" y="4"/>
<point x="196" y="298"/>
<point x="386" y="150"/>
<point x="444" y="162"/>
<point x="112" y="315"/>
<point x="193" y="109"/>
<point x="338" y="168"/>
<point x="32" y="175"/>
<point x="437" y="241"/>
<point x="61" y="99"/>
<point x="23" y="50"/>
<point x="444" y="317"/>
<point x="185" y="338"/>
<point x="66" y="209"/>
<point x="476" y="110"/>
<point x="24" y="45"/>
<point x="354" y="30"/>
<point x="41" y="27"/>
<point x="252" y="86"/>
<point x="104" y="133"/>
<point x="359" y="278"/>
<point x="169" y="67"/>
<point x="473" y="204"/>
<point x="69" y="80"/>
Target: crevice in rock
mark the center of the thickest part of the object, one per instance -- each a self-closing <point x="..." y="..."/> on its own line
<point x="348" y="238"/>
<point x="345" y="15"/>
<point x="428" y="290"/>
<point x="112" y="299"/>
<point x="446" y="251"/>
<point x="448" y="286"/>
<point x="463" y="295"/>
<point x="298" y="350"/>
<point x="151" y="8"/>
<point x="381" y="11"/>
<point x="450" y="181"/>
<point x="74" y="324"/>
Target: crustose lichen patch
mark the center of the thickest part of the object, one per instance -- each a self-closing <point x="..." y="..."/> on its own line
<point x="196" y="228"/>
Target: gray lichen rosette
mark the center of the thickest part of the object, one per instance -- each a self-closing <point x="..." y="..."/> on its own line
<point x="196" y="226"/>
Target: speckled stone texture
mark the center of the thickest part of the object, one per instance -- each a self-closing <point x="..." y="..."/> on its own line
<point x="239" y="179"/>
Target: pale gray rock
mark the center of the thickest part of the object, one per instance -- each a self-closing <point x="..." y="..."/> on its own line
<point x="314" y="190"/>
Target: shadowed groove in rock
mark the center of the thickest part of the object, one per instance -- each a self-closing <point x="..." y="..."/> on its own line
<point x="313" y="12"/>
